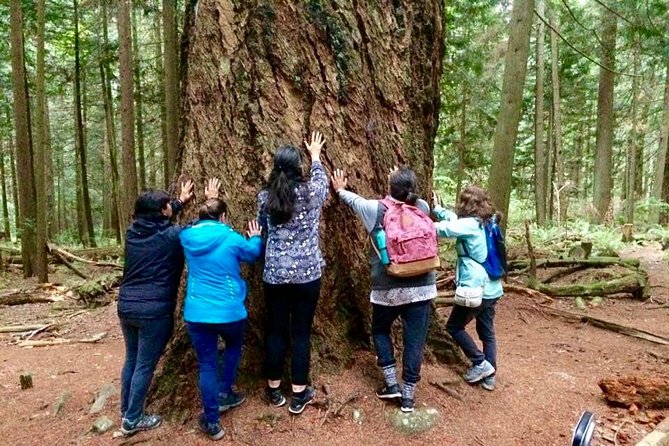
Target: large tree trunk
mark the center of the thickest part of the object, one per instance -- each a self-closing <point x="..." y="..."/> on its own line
<point x="139" y="118"/>
<point x="559" y="185"/>
<point x="603" y="180"/>
<point x="52" y="228"/>
<point x="127" y="111"/>
<point x="170" y="70"/>
<point x="15" y="189"/>
<point x="539" y="143"/>
<point x="365" y="74"/>
<point x="633" y="140"/>
<point x="24" y="160"/>
<point x="515" y="69"/>
<point x="160" y="80"/>
<point x="80" y="140"/>
<point x="40" y="153"/>
<point x="654" y="216"/>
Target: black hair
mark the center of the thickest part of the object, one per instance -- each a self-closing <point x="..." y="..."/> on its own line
<point x="150" y="204"/>
<point x="212" y="209"/>
<point x="286" y="175"/>
<point x="403" y="184"/>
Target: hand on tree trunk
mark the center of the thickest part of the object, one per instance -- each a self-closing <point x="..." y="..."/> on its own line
<point x="315" y="146"/>
<point x="186" y="192"/>
<point x="339" y="180"/>
<point x="254" y="229"/>
<point x="212" y="187"/>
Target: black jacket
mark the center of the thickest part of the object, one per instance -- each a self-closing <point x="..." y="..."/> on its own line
<point x="154" y="261"/>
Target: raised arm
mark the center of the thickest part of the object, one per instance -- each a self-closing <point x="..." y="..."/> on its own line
<point x="249" y="250"/>
<point x="449" y="225"/>
<point x="319" y="180"/>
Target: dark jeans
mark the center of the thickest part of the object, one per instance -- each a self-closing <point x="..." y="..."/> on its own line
<point x="145" y="340"/>
<point x="485" y="328"/>
<point x="415" y="322"/>
<point x="204" y="338"/>
<point x="290" y="312"/>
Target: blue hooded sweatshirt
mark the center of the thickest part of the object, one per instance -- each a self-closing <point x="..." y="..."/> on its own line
<point x="216" y="292"/>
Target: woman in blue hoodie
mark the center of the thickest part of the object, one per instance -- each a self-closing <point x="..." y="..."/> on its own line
<point x="214" y="306"/>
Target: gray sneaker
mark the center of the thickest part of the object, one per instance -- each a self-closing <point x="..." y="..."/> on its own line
<point x="488" y="383"/>
<point x="143" y="423"/>
<point x="230" y="401"/>
<point x="478" y="372"/>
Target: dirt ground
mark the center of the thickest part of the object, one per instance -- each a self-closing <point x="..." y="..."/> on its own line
<point x="548" y="374"/>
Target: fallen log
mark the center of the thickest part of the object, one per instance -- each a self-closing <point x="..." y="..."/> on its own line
<point x="28" y="296"/>
<point x="63" y="253"/>
<point x="23" y="328"/>
<point x="95" y="253"/>
<point x="635" y="284"/>
<point x="606" y="325"/>
<point x="642" y="392"/>
<point x="592" y="262"/>
<point x="511" y="288"/>
<point x="99" y="286"/>
<point x="65" y="261"/>
<point x="45" y="343"/>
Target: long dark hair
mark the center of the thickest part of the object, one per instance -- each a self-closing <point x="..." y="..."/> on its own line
<point x="474" y="201"/>
<point x="402" y="184"/>
<point x="150" y="204"/>
<point x="286" y="175"/>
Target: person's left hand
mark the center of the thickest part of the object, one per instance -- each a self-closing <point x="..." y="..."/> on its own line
<point x="186" y="192"/>
<point x="339" y="180"/>
<point x="254" y="229"/>
<point x="211" y="188"/>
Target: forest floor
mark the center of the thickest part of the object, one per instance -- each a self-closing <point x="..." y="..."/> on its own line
<point x="548" y="375"/>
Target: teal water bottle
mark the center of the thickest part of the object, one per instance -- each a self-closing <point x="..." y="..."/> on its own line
<point x="381" y="245"/>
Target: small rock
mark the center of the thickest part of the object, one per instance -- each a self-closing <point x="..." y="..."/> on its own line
<point x="420" y="420"/>
<point x="357" y="416"/>
<point x="64" y="398"/>
<point x="564" y="376"/>
<point x="102" y="424"/>
<point x="102" y="396"/>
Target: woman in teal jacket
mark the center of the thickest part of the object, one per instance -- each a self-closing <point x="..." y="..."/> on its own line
<point x="474" y="209"/>
<point x="214" y="307"/>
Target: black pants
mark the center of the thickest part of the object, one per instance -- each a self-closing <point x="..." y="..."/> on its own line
<point x="485" y="328"/>
<point x="290" y="313"/>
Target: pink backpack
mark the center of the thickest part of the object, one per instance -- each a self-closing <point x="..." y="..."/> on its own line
<point x="411" y="240"/>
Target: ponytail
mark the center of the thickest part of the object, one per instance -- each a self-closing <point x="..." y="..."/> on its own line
<point x="283" y="180"/>
<point x="403" y="184"/>
<point x="412" y="198"/>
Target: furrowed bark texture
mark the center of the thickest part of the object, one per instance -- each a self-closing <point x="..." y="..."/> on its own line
<point x="257" y="76"/>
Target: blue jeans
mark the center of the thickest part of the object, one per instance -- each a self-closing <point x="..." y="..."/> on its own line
<point x="415" y="322"/>
<point x="145" y="340"/>
<point x="485" y="328"/>
<point x="204" y="338"/>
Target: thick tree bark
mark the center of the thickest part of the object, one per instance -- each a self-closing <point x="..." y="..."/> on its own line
<point x="539" y="123"/>
<point x="660" y="162"/>
<point x="515" y="70"/>
<point x="559" y="185"/>
<point x="3" y="179"/>
<point x="80" y="140"/>
<point x="127" y="111"/>
<point x="139" y="117"/>
<point x="603" y="180"/>
<point x="40" y="153"/>
<point x="633" y="140"/>
<point x="24" y="161"/>
<point x="15" y="188"/>
<point x="171" y="89"/>
<point x="365" y="74"/>
<point x="52" y="228"/>
<point x="160" y="79"/>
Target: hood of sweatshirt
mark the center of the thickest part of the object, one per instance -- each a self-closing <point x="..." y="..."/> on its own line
<point x="203" y="236"/>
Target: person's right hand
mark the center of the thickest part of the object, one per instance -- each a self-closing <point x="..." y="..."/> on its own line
<point x="211" y="188"/>
<point x="436" y="201"/>
<point x="315" y="145"/>
<point x="339" y="180"/>
<point x="254" y="229"/>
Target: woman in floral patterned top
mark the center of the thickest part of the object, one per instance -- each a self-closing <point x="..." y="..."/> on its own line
<point x="289" y="210"/>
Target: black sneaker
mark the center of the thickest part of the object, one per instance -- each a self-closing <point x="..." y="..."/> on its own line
<point x="143" y="423"/>
<point x="275" y="396"/>
<point x="389" y="392"/>
<point x="230" y="401"/>
<point x="212" y="430"/>
<point x="298" y="403"/>
<point x="407" y="405"/>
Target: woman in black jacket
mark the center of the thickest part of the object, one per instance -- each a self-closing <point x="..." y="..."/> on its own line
<point x="153" y="264"/>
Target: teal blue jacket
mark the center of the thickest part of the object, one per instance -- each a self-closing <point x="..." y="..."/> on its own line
<point x="472" y="251"/>
<point x="216" y="292"/>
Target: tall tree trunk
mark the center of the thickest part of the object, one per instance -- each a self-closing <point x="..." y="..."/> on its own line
<point x="40" y="153"/>
<point x="462" y="146"/>
<point x="15" y="188"/>
<point x="127" y="110"/>
<point x="539" y="146"/>
<point x="515" y="69"/>
<point x="632" y="142"/>
<point x="80" y="140"/>
<point x="603" y="180"/>
<point x="139" y="118"/>
<point x="171" y="88"/>
<point x="52" y="228"/>
<point x="640" y="175"/>
<point x="105" y="76"/>
<point x="654" y="217"/>
<point x="160" y="79"/>
<point x="559" y="185"/>
<point x="550" y="165"/>
<point x="3" y="179"/>
<point x="24" y="161"/>
<point x="278" y="86"/>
